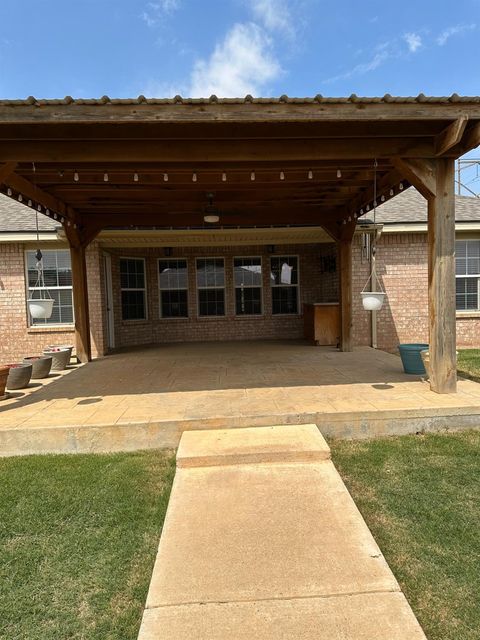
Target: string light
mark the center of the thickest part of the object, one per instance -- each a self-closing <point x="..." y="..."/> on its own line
<point x="39" y="207"/>
<point x="400" y="186"/>
<point x="252" y="176"/>
<point x="361" y="212"/>
<point x="339" y="173"/>
<point x="224" y="177"/>
<point x="382" y="198"/>
<point x="367" y="208"/>
<point x="47" y="211"/>
<point x="375" y="203"/>
<point x="29" y="203"/>
<point x="310" y="175"/>
<point x="282" y="175"/>
<point x="20" y="197"/>
<point x="194" y="177"/>
<point x="55" y="216"/>
<point x="165" y="177"/>
<point x="391" y="192"/>
<point x="68" y="222"/>
<point x="349" y="218"/>
<point x="9" y="192"/>
<point x="355" y="216"/>
<point x="75" y="176"/>
<point x="135" y="177"/>
<point x="105" y="177"/>
<point x="62" y="220"/>
<point x="344" y="221"/>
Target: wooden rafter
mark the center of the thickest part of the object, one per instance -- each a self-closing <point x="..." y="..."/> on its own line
<point x="420" y="172"/>
<point x="29" y="190"/>
<point x="6" y="170"/>
<point x="450" y="136"/>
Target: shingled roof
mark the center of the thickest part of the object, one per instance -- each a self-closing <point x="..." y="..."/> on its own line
<point x="17" y="217"/>
<point x="410" y="207"/>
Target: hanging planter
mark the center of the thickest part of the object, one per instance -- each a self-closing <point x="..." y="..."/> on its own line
<point x="373" y="295"/>
<point x="39" y="308"/>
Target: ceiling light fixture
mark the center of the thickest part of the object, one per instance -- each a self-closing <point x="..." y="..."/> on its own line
<point x="211" y="218"/>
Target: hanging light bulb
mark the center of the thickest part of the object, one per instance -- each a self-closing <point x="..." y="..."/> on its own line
<point x="349" y="218"/>
<point x="105" y="177"/>
<point x="68" y="222"/>
<point x="339" y="173"/>
<point x="382" y="198"/>
<point x="391" y="192"/>
<point x="76" y="177"/>
<point x="282" y="175"/>
<point x="355" y="216"/>
<point x="375" y="204"/>
<point x="62" y="220"/>
<point x="194" y="177"/>
<point x="224" y="177"/>
<point x="135" y="177"/>
<point x="47" y="211"/>
<point x="310" y="175"/>
<point x="367" y="208"/>
<point x="344" y="221"/>
<point x="55" y="216"/>
<point x="29" y="203"/>
<point x="165" y="177"/>
<point x="400" y="186"/>
<point x="252" y="175"/>
<point x="361" y="212"/>
<point x="39" y="207"/>
<point x="9" y="192"/>
<point x="20" y="197"/>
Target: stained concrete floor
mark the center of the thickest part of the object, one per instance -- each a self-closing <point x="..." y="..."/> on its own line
<point x="165" y="389"/>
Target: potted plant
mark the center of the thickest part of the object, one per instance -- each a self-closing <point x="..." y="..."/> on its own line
<point x="41" y="365"/>
<point x="19" y="375"/>
<point x="4" y="369"/>
<point x="62" y="346"/>
<point x="60" y="357"/>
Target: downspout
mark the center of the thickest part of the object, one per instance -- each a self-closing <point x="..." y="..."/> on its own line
<point x="373" y="323"/>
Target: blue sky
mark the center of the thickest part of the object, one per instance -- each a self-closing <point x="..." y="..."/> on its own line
<point x="123" y="48"/>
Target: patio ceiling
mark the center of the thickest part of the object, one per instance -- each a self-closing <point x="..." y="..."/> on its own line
<point x="258" y="162"/>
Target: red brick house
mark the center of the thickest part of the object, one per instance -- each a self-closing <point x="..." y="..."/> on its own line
<point x="152" y="286"/>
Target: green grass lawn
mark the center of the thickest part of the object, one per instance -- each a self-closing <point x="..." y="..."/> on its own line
<point x="420" y="496"/>
<point x="468" y="363"/>
<point x="78" y="537"/>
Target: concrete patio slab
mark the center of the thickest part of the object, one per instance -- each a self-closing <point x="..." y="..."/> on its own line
<point x="268" y="549"/>
<point x="159" y="392"/>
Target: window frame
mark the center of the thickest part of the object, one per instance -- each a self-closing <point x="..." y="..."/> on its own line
<point x="144" y="289"/>
<point x="187" y="289"/>
<point x="466" y="276"/>
<point x="272" y="286"/>
<point x="251" y="286"/>
<point x="197" y="288"/>
<point x="45" y="324"/>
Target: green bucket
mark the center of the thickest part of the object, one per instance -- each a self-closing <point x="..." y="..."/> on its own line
<point x="411" y="358"/>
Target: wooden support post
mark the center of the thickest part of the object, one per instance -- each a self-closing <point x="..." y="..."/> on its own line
<point x="345" y="258"/>
<point x="441" y="279"/>
<point x="80" y="303"/>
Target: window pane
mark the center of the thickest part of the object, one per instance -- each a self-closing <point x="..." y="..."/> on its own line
<point x="284" y="270"/>
<point x="132" y="273"/>
<point x="57" y="272"/>
<point x="467" y="294"/>
<point x="210" y="272"/>
<point x="133" y="305"/>
<point x="173" y="274"/>
<point x="62" y="307"/>
<point x="174" y="303"/>
<point x="248" y="272"/>
<point x="211" y="302"/>
<point x="284" y="300"/>
<point x="248" y="301"/>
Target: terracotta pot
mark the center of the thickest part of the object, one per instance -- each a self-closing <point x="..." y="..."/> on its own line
<point x="41" y="365"/>
<point x="60" y="357"/>
<point x="4" y="369"/>
<point x="19" y="375"/>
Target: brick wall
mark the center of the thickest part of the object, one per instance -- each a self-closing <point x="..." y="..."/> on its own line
<point x="17" y="339"/>
<point x="314" y="287"/>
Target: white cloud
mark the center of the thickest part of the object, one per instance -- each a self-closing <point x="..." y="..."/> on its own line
<point x="273" y="14"/>
<point x="454" y="31"/>
<point x="155" y="12"/>
<point x="243" y="63"/>
<point x="382" y="53"/>
<point x="413" y="40"/>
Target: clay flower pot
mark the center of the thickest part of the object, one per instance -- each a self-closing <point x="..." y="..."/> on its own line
<point x="62" y="346"/>
<point x="19" y="375"/>
<point x="60" y="357"/>
<point x="4" y="369"/>
<point x="41" y="365"/>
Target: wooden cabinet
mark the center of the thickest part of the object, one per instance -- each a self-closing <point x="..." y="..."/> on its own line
<point x="322" y="323"/>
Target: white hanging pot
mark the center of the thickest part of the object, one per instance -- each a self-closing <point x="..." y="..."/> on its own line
<point x="373" y="300"/>
<point x="40" y="308"/>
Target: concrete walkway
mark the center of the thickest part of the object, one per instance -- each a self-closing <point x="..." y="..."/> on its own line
<point x="262" y="540"/>
<point x="146" y="397"/>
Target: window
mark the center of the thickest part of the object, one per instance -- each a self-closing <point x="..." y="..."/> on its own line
<point x="247" y="275"/>
<point x="284" y="282"/>
<point x="211" y="286"/>
<point x="467" y="268"/>
<point x="132" y="285"/>
<point x="57" y="272"/>
<point x="173" y="282"/>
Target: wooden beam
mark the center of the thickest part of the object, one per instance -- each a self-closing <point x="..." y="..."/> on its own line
<point x="470" y="140"/>
<point x="419" y="172"/>
<point x="6" y="170"/>
<point x="450" y="136"/>
<point x="37" y="195"/>
<point x="213" y="151"/>
<point x="366" y="196"/>
<point x="345" y="260"/>
<point x="441" y="279"/>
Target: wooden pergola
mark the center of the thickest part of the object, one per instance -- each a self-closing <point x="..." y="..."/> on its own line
<point x="165" y="163"/>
